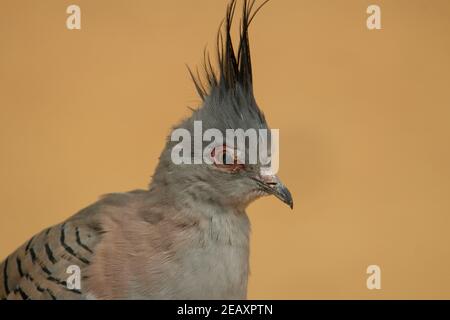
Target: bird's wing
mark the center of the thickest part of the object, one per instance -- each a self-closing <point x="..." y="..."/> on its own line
<point x="99" y="240"/>
<point x="39" y="268"/>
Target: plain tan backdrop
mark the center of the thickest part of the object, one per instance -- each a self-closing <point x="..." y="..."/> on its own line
<point x="363" y="116"/>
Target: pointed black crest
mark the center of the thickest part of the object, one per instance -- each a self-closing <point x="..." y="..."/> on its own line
<point x="234" y="68"/>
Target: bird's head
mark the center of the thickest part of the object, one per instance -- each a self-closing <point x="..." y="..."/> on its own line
<point x="225" y="152"/>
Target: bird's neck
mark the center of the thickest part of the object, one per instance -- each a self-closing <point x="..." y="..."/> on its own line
<point x="225" y="224"/>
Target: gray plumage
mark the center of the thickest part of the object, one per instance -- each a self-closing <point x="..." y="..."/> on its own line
<point x="187" y="236"/>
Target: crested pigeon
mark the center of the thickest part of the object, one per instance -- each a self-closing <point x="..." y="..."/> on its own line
<point x="187" y="236"/>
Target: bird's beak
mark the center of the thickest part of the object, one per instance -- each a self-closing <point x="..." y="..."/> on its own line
<point x="278" y="189"/>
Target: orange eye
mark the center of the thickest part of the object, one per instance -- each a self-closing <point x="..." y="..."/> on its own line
<point x="225" y="158"/>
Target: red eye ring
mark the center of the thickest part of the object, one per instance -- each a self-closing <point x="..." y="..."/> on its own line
<point x="222" y="164"/>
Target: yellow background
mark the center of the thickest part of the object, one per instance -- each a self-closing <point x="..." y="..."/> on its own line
<point x="363" y="117"/>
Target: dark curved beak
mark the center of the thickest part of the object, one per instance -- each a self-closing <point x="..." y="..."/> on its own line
<point x="282" y="192"/>
<point x="273" y="185"/>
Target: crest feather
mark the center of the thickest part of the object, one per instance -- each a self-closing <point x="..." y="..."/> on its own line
<point x="234" y="68"/>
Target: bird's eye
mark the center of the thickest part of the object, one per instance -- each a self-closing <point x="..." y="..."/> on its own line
<point x="225" y="158"/>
